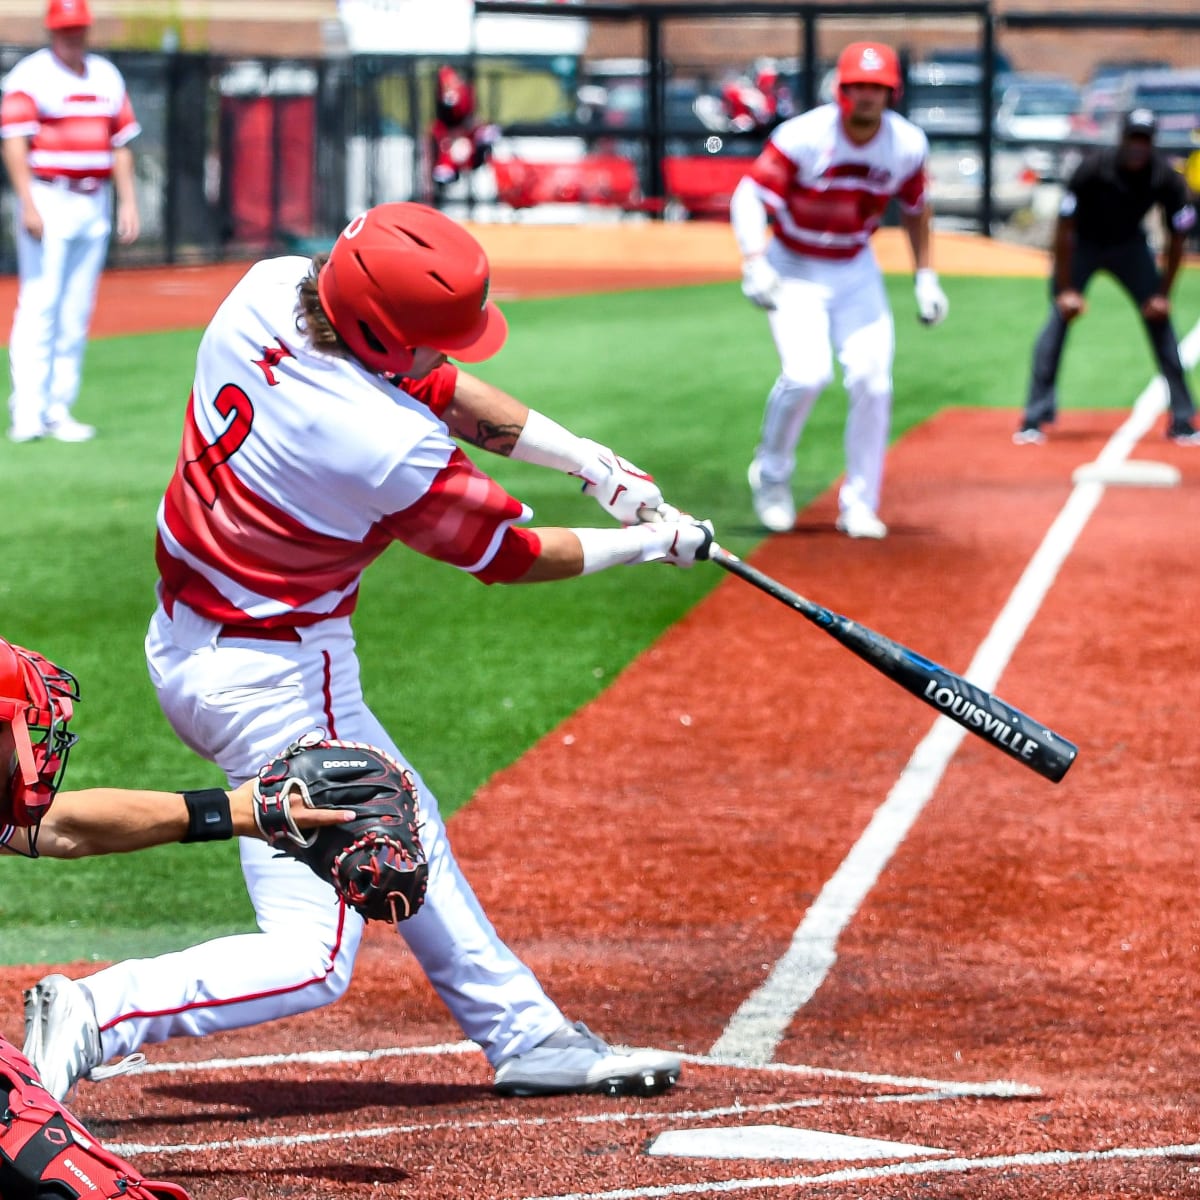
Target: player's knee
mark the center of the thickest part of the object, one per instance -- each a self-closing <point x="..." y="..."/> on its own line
<point x="870" y="387"/>
<point x="800" y="382"/>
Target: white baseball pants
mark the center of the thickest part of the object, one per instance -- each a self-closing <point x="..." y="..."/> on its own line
<point x="238" y="702"/>
<point x="58" y="279"/>
<point x="824" y="303"/>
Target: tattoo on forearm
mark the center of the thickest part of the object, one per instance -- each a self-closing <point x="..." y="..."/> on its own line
<point x="499" y="439"/>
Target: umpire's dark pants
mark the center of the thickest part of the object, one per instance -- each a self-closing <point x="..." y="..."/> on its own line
<point x="1132" y="264"/>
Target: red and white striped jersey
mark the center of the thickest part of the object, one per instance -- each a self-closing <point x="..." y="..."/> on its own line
<point x="299" y="468"/>
<point x="828" y="195"/>
<point x="73" y="122"/>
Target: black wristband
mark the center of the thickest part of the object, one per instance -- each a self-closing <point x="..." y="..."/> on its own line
<point x="209" y="819"/>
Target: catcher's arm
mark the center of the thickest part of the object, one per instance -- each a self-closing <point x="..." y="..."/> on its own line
<point x="113" y="820"/>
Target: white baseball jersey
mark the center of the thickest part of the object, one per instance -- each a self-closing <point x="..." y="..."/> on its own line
<point x="826" y="193"/>
<point x="298" y="468"/>
<point x="73" y="121"/>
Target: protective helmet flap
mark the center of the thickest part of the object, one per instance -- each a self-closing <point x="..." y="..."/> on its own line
<point x="402" y="276"/>
<point x="37" y="700"/>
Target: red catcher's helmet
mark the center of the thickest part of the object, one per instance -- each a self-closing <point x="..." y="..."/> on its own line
<point x="868" y="62"/>
<point x="37" y="699"/>
<point x="402" y="276"/>
<point x="68" y="14"/>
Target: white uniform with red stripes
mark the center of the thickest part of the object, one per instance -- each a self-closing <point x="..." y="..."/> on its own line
<point x="827" y="195"/>
<point x="297" y="469"/>
<point x="74" y="122"/>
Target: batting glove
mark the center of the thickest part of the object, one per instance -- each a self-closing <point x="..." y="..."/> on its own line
<point x="760" y="282"/>
<point x="932" y="305"/>
<point x="620" y="488"/>
<point x="682" y="542"/>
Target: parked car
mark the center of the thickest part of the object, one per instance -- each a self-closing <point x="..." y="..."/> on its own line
<point x="1036" y="111"/>
<point x="1109" y="72"/>
<point x="956" y="180"/>
<point x="945" y="99"/>
<point x="1098" y="103"/>
<point x="1174" y="98"/>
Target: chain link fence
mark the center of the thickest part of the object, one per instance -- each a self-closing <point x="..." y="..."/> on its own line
<point x="656" y="119"/>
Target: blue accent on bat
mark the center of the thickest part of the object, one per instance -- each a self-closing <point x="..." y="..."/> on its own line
<point x="920" y="660"/>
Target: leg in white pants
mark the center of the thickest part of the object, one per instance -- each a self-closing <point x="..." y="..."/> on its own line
<point x="800" y="328"/>
<point x="864" y="338"/>
<point x="237" y="703"/>
<point x="59" y="275"/>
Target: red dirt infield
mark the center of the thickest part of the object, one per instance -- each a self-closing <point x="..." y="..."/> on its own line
<point x="1013" y="999"/>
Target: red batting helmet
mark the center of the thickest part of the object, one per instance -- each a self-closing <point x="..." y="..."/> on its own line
<point x="868" y="62"/>
<point x="405" y="275"/>
<point x="68" y="14"/>
<point x="37" y="699"/>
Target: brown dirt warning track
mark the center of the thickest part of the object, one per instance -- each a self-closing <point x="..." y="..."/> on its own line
<point x="1013" y="998"/>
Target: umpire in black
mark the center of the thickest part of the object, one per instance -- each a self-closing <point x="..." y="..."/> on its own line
<point x="1099" y="228"/>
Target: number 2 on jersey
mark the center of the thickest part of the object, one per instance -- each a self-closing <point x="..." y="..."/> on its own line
<point x="232" y="402"/>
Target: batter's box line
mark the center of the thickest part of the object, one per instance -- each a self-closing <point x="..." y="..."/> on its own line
<point x="998" y="1088"/>
<point x="665" y="1115"/>
<point x="1002" y="1088"/>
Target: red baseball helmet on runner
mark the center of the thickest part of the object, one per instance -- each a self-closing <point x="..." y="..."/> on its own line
<point x="37" y="699"/>
<point x="868" y="62"/>
<point x="68" y="14"/>
<point x="402" y="276"/>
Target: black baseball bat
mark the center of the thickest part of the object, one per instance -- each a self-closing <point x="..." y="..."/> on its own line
<point x="986" y="716"/>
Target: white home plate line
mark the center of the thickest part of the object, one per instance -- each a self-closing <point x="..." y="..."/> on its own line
<point x="911" y="1170"/>
<point x="607" y="1118"/>
<point x="757" y="1027"/>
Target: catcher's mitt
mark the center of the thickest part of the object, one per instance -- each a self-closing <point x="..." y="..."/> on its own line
<point x="376" y="862"/>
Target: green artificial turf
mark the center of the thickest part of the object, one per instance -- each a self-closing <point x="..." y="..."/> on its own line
<point x="465" y="677"/>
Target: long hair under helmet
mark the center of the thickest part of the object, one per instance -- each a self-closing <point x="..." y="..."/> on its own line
<point x="867" y="62"/>
<point x="37" y="699"/>
<point x="402" y="276"/>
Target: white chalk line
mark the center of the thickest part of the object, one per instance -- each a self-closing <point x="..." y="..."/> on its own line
<point x="911" y="1170"/>
<point x="340" y="1058"/>
<point x="669" y="1116"/>
<point x="930" y="1091"/>
<point x="760" y="1022"/>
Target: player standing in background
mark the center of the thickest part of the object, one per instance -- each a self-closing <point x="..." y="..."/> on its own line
<point x="66" y="123"/>
<point x="824" y="180"/>
<point x="1100" y="228"/>
<point x="320" y="430"/>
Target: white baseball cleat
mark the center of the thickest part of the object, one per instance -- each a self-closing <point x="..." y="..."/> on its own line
<point x="575" y="1060"/>
<point x="861" y="523"/>
<point x="21" y="432"/>
<point x="773" y="503"/>
<point x="62" y="1038"/>
<point x="70" y="430"/>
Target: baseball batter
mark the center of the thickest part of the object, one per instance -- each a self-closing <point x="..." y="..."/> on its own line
<point x="302" y="461"/>
<point x="66" y="123"/>
<point x="824" y="181"/>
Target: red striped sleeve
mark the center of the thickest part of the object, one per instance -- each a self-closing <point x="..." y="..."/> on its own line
<point x="911" y="192"/>
<point x="773" y="170"/>
<point x="465" y="519"/>
<point x="18" y="109"/>
<point x="123" y="124"/>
